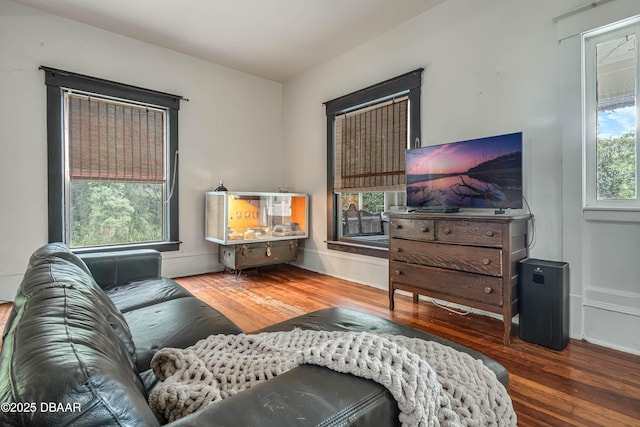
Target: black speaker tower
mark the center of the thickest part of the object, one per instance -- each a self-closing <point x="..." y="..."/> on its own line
<point x="544" y="302"/>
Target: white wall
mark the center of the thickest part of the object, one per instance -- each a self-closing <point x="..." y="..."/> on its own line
<point x="491" y="67"/>
<point x="231" y="128"/>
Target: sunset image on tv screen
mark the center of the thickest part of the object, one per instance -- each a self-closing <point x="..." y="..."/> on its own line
<point x="477" y="173"/>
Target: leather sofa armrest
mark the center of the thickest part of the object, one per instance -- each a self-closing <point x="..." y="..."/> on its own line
<point x="111" y="269"/>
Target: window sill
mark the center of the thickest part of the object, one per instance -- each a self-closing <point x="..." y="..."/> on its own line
<point x="159" y="246"/>
<point x="602" y="214"/>
<point x="378" y="252"/>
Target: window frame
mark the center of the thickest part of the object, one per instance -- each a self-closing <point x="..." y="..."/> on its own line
<point x="409" y="84"/>
<point x="609" y="209"/>
<point x="57" y="81"/>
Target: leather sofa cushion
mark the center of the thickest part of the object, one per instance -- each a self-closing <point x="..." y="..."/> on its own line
<point x="342" y="319"/>
<point x="179" y="323"/>
<point x="113" y="269"/>
<point x="54" y="265"/>
<point x="141" y="294"/>
<point x="62" y="345"/>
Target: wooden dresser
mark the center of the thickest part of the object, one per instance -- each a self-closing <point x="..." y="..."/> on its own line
<point x="465" y="259"/>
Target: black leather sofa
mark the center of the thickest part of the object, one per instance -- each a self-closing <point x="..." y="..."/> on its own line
<point x="77" y="347"/>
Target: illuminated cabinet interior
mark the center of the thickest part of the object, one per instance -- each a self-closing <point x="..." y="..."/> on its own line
<point x="255" y="229"/>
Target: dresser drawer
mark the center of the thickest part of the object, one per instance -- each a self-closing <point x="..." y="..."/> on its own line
<point x="469" y="232"/>
<point x="473" y="287"/>
<point x="417" y="229"/>
<point x="453" y="257"/>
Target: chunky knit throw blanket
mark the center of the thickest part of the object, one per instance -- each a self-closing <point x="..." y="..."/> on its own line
<point x="433" y="384"/>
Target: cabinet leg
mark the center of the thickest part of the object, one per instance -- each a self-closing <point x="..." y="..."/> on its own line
<point x="391" y="302"/>
<point x="507" y="332"/>
<point x="415" y="298"/>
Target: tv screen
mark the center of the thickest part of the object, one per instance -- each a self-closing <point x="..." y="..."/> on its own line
<point x="477" y="173"/>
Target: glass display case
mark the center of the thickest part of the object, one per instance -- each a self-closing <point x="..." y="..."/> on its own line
<point x="245" y="217"/>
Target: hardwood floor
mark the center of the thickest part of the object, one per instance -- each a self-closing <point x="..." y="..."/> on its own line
<point x="583" y="385"/>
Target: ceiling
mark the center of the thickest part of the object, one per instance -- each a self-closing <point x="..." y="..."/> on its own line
<point x="274" y="39"/>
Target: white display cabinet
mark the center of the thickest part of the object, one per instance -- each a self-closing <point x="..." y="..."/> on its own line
<point x="256" y="228"/>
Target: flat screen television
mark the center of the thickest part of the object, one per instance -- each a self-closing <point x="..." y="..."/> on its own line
<point x="477" y="173"/>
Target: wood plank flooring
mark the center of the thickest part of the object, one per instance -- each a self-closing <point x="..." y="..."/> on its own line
<point x="583" y="385"/>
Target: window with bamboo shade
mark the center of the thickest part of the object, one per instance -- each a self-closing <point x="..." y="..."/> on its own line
<point x="112" y="164"/>
<point x="368" y="133"/>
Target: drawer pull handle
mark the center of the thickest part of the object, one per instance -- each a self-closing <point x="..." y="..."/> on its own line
<point x="446" y="231"/>
<point x="486" y="261"/>
<point x="490" y="233"/>
<point x="397" y="249"/>
<point x="425" y="229"/>
<point x="487" y="290"/>
<point x="397" y="226"/>
<point x="398" y="273"/>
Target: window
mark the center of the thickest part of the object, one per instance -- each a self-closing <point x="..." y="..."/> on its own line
<point x="610" y="117"/>
<point x="112" y="164"/>
<point x="368" y="132"/>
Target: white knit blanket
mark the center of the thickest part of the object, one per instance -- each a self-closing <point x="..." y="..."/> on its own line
<point x="433" y="384"/>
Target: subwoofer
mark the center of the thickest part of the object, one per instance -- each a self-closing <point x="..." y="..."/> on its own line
<point x="544" y="302"/>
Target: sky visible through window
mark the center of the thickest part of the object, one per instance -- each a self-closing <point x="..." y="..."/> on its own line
<point x="618" y="122"/>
